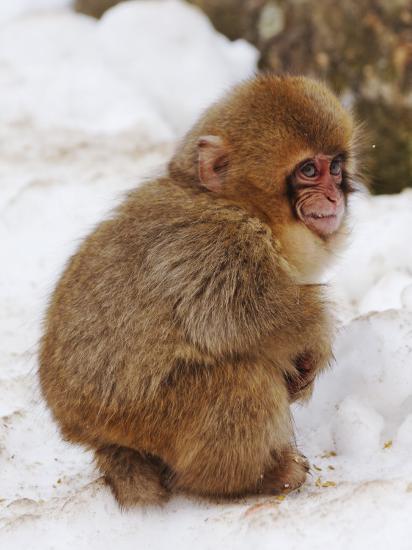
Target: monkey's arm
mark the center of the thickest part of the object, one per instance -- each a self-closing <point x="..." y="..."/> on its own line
<point x="314" y="351"/>
<point x="228" y="287"/>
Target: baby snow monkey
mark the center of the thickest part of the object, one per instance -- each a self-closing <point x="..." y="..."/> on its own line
<point x="187" y="323"/>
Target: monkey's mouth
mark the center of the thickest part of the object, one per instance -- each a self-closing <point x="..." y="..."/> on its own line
<point x="323" y="224"/>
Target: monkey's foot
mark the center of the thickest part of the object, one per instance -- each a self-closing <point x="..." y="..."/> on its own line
<point x="133" y="477"/>
<point x="288" y="476"/>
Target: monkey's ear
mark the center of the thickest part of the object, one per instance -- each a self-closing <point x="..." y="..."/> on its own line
<point x="213" y="159"/>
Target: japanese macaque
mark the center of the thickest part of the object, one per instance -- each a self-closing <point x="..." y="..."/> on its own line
<point x="187" y="323"/>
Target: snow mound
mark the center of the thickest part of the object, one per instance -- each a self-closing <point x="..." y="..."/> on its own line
<point x="148" y="67"/>
<point x="363" y="405"/>
<point x="377" y="268"/>
<point x="182" y="66"/>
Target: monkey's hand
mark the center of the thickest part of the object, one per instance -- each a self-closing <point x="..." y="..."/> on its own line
<point x="300" y="383"/>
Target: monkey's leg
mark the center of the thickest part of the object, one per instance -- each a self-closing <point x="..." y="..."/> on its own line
<point x="133" y="477"/>
<point x="240" y="441"/>
<point x="223" y="472"/>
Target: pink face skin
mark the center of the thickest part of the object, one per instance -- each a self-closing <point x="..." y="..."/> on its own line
<point x="319" y="198"/>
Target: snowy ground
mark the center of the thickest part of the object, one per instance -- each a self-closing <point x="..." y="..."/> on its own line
<point x="87" y="110"/>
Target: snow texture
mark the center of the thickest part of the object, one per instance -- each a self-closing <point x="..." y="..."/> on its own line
<point x="89" y="109"/>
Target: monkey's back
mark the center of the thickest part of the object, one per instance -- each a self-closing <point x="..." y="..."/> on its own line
<point x="112" y="336"/>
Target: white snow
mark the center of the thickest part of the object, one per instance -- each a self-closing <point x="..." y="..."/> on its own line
<point x="87" y="110"/>
<point x="9" y="9"/>
<point x="133" y="71"/>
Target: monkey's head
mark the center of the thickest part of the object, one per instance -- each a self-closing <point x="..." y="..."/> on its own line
<point x="283" y="148"/>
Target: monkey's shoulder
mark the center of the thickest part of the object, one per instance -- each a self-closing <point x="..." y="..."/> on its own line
<point x="165" y="212"/>
<point x="188" y="236"/>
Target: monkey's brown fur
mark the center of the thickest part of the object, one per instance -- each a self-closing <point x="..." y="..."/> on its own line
<point x="172" y="340"/>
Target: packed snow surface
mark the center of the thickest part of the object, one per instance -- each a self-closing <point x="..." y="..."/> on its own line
<point x="88" y="110"/>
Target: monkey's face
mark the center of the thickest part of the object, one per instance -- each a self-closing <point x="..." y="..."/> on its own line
<point x="283" y="148"/>
<point x="317" y="189"/>
<point x="308" y="191"/>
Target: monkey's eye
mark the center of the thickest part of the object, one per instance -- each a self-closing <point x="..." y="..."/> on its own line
<point x="308" y="170"/>
<point x="335" y="167"/>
